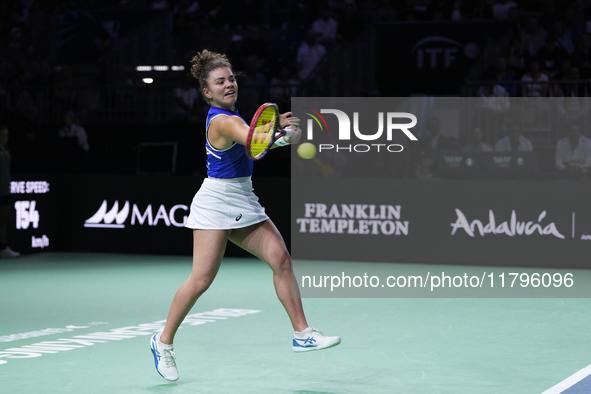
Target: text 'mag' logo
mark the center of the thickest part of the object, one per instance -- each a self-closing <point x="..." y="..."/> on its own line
<point x="115" y="218"/>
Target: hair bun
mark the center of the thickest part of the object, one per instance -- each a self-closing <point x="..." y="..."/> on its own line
<point x="203" y="59"/>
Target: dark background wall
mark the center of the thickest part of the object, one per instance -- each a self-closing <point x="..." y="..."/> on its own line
<point x="64" y="211"/>
<point x="83" y="56"/>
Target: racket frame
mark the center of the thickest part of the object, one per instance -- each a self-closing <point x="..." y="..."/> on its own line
<point x="277" y="131"/>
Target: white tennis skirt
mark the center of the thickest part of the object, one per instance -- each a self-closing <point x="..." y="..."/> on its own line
<point x="223" y="204"/>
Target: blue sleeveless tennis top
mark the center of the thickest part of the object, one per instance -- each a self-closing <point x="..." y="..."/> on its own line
<point x="228" y="163"/>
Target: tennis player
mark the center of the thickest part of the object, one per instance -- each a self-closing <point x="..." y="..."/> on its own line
<point x="225" y="208"/>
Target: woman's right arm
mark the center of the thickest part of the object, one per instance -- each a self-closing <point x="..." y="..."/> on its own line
<point x="225" y="130"/>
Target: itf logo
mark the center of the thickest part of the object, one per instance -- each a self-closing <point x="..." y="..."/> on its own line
<point x="441" y="52"/>
<point x="102" y="218"/>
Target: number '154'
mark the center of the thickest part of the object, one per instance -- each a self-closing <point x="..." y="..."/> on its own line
<point x="26" y="214"/>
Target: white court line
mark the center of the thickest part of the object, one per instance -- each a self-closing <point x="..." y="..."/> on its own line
<point x="570" y="381"/>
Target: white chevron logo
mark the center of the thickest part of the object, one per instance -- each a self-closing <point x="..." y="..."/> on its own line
<point x="105" y="219"/>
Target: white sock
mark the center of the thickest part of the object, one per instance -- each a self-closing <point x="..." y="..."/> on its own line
<point x="308" y="329"/>
<point x="165" y="346"/>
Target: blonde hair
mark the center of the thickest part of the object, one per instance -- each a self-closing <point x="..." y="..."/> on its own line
<point x="204" y="63"/>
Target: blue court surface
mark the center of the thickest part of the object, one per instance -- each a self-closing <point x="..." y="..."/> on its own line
<point x="578" y="383"/>
<point x="81" y="323"/>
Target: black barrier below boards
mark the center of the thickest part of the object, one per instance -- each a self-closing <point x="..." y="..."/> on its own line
<point x="120" y="214"/>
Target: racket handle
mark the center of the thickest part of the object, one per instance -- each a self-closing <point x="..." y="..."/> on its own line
<point x="287" y="133"/>
<point x="279" y="140"/>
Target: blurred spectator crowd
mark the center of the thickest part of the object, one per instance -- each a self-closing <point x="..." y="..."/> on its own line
<point x="549" y="53"/>
<point x="277" y="47"/>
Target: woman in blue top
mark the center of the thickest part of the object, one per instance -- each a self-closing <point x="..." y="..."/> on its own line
<point x="225" y="208"/>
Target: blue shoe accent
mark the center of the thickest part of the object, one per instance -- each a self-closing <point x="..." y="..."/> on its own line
<point x="156" y="353"/>
<point x="308" y="342"/>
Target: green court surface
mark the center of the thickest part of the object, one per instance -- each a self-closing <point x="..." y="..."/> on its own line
<point x="98" y="302"/>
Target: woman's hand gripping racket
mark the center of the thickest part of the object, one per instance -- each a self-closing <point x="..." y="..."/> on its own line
<point x="265" y="129"/>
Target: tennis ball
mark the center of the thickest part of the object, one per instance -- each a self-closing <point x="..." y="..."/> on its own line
<point x="307" y="150"/>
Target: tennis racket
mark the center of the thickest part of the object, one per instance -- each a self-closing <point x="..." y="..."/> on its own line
<point x="264" y="131"/>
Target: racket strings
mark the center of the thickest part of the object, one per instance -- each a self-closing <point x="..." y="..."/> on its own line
<point x="263" y="132"/>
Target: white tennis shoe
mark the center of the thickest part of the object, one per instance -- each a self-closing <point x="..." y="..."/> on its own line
<point x="312" y="339"/>
<point x="164" y="358"/>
